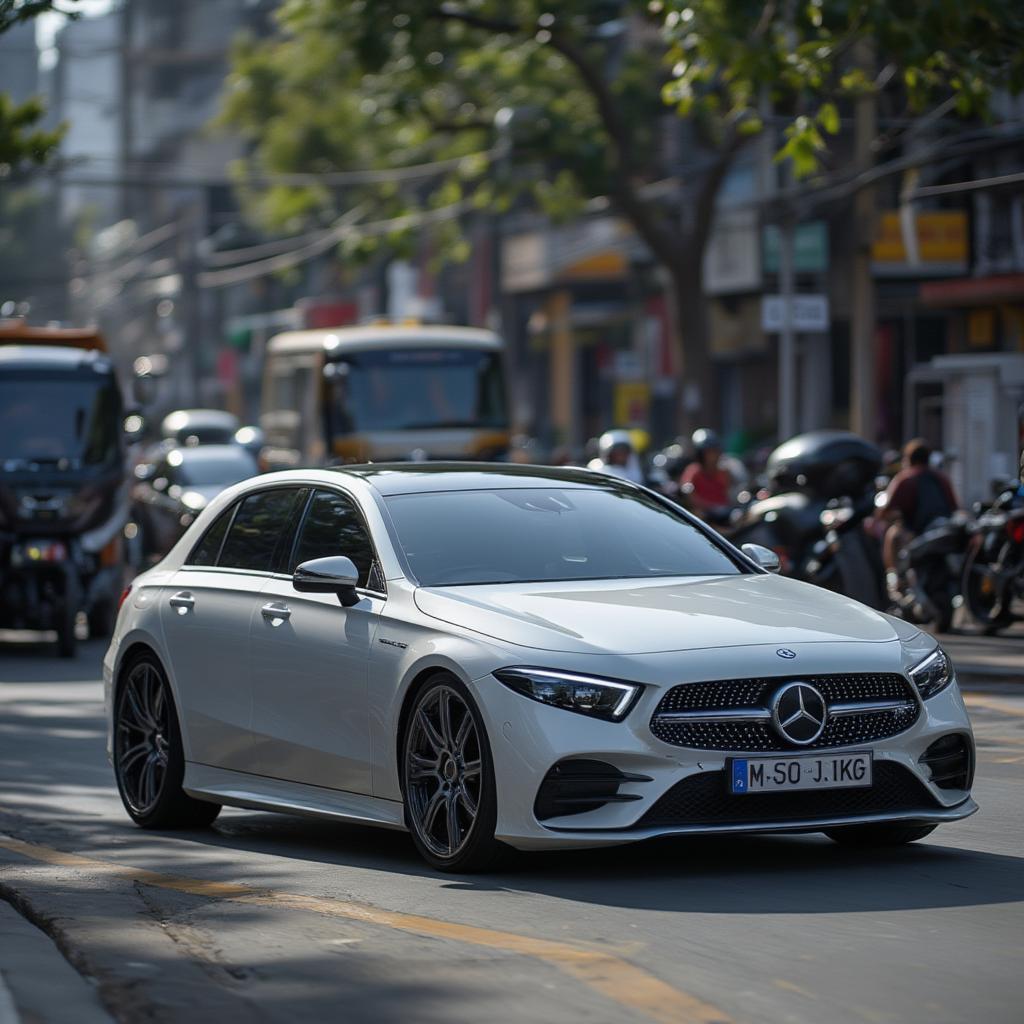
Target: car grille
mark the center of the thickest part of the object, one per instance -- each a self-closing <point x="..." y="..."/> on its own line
<point x="734" y="714"/>
<point x="705" y="799"/>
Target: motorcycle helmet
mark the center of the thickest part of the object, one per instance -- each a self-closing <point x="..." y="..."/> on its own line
<point x="612" y="439"/>
<point x="705" y="439"/>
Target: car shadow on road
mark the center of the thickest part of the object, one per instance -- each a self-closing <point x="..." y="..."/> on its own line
<point x="740" y="874"/>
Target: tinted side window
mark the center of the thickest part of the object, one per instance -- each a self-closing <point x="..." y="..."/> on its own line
<point x="260" y="524"/>
<point x="207" y="550"/>
<point x="333" y="526"/>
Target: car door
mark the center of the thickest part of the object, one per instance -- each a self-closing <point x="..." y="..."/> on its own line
<point x="310" y="658"/>
<point x="206" y="612"/>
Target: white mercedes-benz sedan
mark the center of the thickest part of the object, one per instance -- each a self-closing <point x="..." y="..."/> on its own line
<point x="489" y="655"/>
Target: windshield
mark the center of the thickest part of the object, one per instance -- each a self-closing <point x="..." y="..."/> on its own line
<point x="527" y="535"/>
<point x="59" y="416"/>
<point x="197" y="470"/>
<point x="415" y="389"/>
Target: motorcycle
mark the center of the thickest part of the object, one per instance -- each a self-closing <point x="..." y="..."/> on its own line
<point x="928" y="572"/>
<point x="993" y="570"/>
<point x="847" y="559"/>
<point x="815" y="521"/>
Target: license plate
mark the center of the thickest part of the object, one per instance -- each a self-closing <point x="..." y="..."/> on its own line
<point x="806" y="771"/>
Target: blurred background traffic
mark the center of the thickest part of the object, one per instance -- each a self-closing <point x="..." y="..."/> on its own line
<point x="766" y="259"/>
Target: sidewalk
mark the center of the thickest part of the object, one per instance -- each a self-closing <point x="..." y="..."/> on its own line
<point x="37" y="985"/>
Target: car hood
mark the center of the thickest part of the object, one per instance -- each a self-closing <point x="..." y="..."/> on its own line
<point x="651" y="616"/>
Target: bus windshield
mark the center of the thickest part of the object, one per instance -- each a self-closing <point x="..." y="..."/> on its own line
<point x="415" y="389"/>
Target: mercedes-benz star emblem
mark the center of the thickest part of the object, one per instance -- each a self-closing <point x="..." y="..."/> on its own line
<point x="785" y="652"/>
<point x="799" y="713"/>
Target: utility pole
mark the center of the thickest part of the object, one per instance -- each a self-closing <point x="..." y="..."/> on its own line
<point x="862" y="332"/>
<point x="787" y="335"/>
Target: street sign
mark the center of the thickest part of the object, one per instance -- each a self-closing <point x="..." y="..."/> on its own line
<point x="807" y="313"/>
<point x="810" y="248"/>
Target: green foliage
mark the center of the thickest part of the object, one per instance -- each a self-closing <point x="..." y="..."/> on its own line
<point x="805" y="58"/>
<point x="392" y="83"/>
<point x="21" y="142"/>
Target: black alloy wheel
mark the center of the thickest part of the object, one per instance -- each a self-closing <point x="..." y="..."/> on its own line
<point x="149" y="761"/>
<point x="448" y="779"/>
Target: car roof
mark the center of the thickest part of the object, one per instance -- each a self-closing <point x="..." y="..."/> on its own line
<point x="52" y="357"/>
<point x="374" y="336"/>
<point x="391" y="478"/>
<point x="182" y="419"/>
<point x="211" y="452"/>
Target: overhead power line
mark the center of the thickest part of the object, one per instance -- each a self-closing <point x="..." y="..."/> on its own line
<point x="367" y="176"/>
<point x="347" y="227"/>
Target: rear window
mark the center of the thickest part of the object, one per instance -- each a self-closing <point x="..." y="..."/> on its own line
<point x="207" y="550"/>
<point x="525" y="535"/>
<point x="262" y="523"/>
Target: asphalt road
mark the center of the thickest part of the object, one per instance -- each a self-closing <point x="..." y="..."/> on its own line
<point x="272" y="918"/>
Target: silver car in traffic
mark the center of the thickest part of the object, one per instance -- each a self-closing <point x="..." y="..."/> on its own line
<point x="518" y="656"/>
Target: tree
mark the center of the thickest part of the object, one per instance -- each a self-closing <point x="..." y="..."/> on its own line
<point x="21" y="140"/>
<point x="387" y="83"/>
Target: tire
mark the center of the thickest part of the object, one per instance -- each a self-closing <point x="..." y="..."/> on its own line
<point x="149" y="760"/>
<point x="101" y="620"/>
<point x="868" y="836"/>
<point x="451" y="806"/>
<point x="67" y="642"/>
<point x="989" y="609"/>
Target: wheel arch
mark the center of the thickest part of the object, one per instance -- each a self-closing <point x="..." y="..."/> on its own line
<point x="138" y="646"/>
<point x="420" y="677"/>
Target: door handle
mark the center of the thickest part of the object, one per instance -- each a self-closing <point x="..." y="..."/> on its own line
<point x="183" y="602"/>
<point x="275" y="613"/>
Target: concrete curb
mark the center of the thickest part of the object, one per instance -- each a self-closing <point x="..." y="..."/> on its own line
<point x="37" y="983"/>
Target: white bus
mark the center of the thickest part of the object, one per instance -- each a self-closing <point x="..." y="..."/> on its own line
<point x="383" y="392"/>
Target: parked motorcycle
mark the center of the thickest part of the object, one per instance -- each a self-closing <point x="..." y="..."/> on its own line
<point x="993" y="570"/>
<point x="848" y="559"/>
<point x="824" y="492"/>
<point x="928" y="572"/>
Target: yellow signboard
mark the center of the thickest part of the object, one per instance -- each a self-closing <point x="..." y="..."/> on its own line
<point x="632" y="403"/>
<point x="941" y="238"/>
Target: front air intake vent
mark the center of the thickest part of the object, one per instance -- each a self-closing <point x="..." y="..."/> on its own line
<point x="579" y="785"/>
<point x="950" y="761"/>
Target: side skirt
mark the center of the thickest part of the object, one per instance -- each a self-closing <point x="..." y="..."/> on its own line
<point x="260" y="793"/>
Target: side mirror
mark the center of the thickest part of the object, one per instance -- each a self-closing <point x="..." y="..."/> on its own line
<point x="334" y="575"/>
<point x="764" y="557"/>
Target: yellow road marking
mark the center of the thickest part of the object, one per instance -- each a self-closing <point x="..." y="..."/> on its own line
<point x="976" y="700"/>
<point x="790" y="986"/>
<point x="624" y="983"/>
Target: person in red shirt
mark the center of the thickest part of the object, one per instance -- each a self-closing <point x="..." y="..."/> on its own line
<point x="917" y="496"/>
<point x="704" y="483"/>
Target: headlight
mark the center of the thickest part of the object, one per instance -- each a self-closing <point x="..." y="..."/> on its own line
<point x="598" y="698"/>
<point x="933" y="674"/>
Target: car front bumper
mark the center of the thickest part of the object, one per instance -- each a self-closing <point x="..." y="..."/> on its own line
<point x="528" y="738"/>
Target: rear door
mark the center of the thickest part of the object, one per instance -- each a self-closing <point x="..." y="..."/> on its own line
<point x="310" y="658"/>
<point x="206" y="613"/>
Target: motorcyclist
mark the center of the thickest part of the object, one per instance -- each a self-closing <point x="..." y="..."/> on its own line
<point x="917" y="496"/>
<point x="705" y="483"/>
<point x="616" y="456"/>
